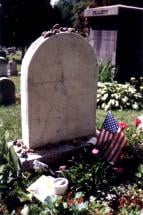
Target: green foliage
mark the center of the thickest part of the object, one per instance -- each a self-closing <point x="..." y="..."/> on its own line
<point x="133" y="136"/>
<point x="139" y="175"/>
<point x="107" y="71"/>
<point x="86" y="176"/>
<point x="90" y="179"/>
<point x="72" y="11"/>
<point x="99" y="208"/>
<point x="66" y="7"/>
<point x="118" y="96"/>
<point x="130" y="210"/>
<point x="10" y="120"/>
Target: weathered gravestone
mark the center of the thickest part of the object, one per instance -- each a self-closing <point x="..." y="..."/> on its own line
<point x="7" y="91"/>
<point x="58" y="90"/>
<point x="116" y="34"/>
<point x="3" y="66"/>
<point x="12" y="68"/>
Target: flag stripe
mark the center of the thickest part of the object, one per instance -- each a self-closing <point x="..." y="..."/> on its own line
<point x="119" y="149"/>
<point x="106" y="139"/>
<point x="113" y="144"/>
<point x="111" y="139"/>
<point x="108" y="142"/>
<point x="101" y="137"/>
<point x="118" y="140"/>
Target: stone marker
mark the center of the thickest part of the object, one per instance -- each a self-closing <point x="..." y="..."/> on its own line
<point x="7" y="91"/>
<point x="116" y="35"/>
<point x="12" y="68"/>
<point x="3" y="66"/>
<point x="58" y="90"/>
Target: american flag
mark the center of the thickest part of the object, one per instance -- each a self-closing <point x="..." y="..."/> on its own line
<point x="111" y="139"/>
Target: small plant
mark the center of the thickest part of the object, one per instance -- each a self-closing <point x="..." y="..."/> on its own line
<point x="88" y="176"/>
<point x="107" y="71"/>
<point x="133" y="136"/>
<point x="139" y="174"/>
<point x="130" y="210"/>
<point x="137" y="83"/>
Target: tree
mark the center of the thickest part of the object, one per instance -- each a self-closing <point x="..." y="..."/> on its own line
<point x="72" y="10"/>
<point x="66" y="6"/>
<point x="23" y="21"/>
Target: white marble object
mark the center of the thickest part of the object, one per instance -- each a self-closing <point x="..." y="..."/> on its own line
<point x="58" y="90"/>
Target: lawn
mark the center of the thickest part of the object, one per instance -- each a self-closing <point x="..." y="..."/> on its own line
<point x="11" y="117"/>
<point x="95" y="186"/>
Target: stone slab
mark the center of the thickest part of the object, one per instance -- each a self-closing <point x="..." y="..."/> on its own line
<point x="51" y="154"/>
<point x="112" y="10"/>
<point x="58" y="90"/>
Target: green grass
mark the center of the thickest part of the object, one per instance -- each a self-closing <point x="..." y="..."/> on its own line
<point x="16" y="80"/>
<point x="127" y="116"/>
<point x="10" y="120"/>
<point x="16" y="56"/>
<point x="11" y="117"/>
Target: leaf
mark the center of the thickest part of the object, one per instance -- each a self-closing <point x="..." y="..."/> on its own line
<point x="140" y="168"/>
<point x="13" y="158"/>
<point x="139" y="175"/>
<point x="22" y="196"/>
<point x="50" y="200"/>
<point x="79" y="195"/>
<point x="6" y="135"/>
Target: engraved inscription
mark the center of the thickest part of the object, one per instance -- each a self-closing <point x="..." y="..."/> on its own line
<point x="100" y="12"/>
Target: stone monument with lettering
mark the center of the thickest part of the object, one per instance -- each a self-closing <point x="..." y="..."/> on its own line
<point x="116" y="34"/>
<point x="58" y="90"/>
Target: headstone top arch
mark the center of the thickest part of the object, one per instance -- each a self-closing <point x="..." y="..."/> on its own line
<point x="58" y="90"/>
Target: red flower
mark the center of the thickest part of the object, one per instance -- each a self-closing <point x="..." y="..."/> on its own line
<point x="137" y="121"/>
<point x="123" y="125"/>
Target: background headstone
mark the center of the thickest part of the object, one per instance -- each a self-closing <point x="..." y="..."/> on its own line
<point x="2" y="53"/>
<point x="3" y="66"/>
<point x="58" y="90"/>
<point x="7" y="91"/>
<point x="12" y="68"/>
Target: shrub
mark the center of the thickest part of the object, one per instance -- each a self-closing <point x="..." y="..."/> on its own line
<point x="118" y="96"/>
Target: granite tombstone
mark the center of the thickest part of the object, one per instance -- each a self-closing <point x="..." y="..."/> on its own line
<point x="116" y="34"/>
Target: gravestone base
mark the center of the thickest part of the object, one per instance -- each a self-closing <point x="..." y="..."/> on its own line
<point x="50" y="154"/>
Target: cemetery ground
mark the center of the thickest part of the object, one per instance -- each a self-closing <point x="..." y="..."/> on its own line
<point x="95" y="187"/>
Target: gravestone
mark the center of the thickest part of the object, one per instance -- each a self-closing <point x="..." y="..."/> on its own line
<point x="116" y="35"/>
<point x="3" y="66"/>
<point x="12" y="68"/>
<point x="58" y="90"/>
<point x="7" y="91"/>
